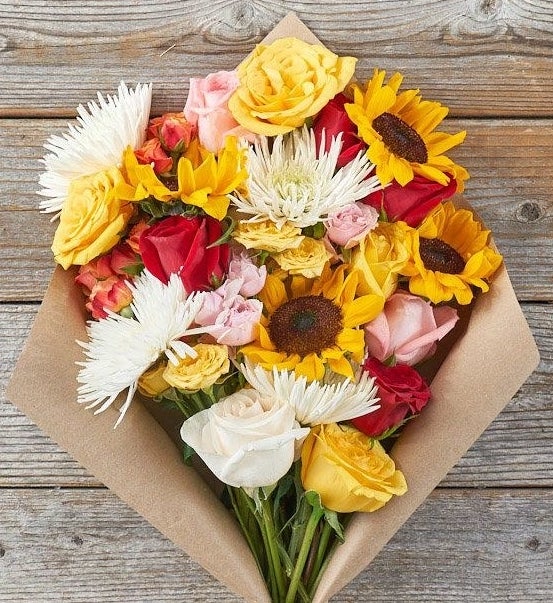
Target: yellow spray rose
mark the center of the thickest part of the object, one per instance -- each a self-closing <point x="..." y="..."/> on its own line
<point x="92" y="220"/>
<point x="152" y="383"/>
<point x="284" y="83"/>
<point x="349" y="470"/>
<point x="380" y="257"/>
<point x="265" y="235"/>
<point x="192" y="374"/>
<point x="307" y="260"/>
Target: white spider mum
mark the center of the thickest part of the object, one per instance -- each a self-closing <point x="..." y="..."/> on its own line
<point x="121" y="349"/>
<point x="316" y="403"/>
<point x="290" y="183"/>
<point x="105" y="129"/>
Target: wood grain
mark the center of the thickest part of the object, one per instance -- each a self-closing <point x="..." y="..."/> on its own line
<point x="510" y="188"/>
<point x="78" y="547"/>
<point x="515" y="451"/>
<point x="480" y="58"/>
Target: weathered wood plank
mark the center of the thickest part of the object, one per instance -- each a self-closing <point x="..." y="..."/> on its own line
<point x="515" y="451"/>
<point x="511" y="163"/>
<point x="479" y="58"/>
<point x="65" y="546"/>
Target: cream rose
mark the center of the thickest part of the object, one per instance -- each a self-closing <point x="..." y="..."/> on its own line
<point x="92" y="219"/>
<point x="284" y="83"/>
<point x="246" y="440"/>
<point x="192" y="374"/>
<point x="308" y="259"/>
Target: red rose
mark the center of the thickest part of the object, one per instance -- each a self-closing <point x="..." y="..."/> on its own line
<point x="412" y="202"/>
<point x="180" y="245"/>
<point x="334" y="119"/>
<point x="401" y="390"/>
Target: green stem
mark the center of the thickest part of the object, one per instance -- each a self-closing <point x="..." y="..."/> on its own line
<point x="321" y="550"/>
<point x="298" y="528"/>
<point x="312" y="524"/>
<point x="272" y="550"/>
<point x="242" y="511"/>
<point x="313" y="587"/>
<point x="182" y="408"/>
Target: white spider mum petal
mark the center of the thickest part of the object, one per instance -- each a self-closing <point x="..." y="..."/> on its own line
<point x="295" y="182"/>
<point x="121" y="349"/>
<point x="316" y="403"/>
<point x="105" y="129"/>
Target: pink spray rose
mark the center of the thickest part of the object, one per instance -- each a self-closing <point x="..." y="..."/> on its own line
<point x="232" y="319"/>
<point x="207" y="107"/>
<point x="252" y="277"/>
<point x="351" y="224"/>
<point x="408" y="328"/>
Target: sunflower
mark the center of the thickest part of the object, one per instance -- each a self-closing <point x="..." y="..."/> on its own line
<point x="449" y="255"/>
<point x="203" y="179"/>
<point x="310" y="324"/>
<point x="399" y="129"/>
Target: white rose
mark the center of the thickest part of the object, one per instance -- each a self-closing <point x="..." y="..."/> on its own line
<point x="246" y="439"/>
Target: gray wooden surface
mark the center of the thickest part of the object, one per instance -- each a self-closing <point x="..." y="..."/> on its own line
<point x="486" y="534"/>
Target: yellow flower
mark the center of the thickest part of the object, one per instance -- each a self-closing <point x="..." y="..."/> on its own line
<point x="449" y="254"/>
<point x="203" y="179"/>
<point x="311" y="324"/>
<point x="380" y="258"/>
<point x="152" y="383"/>
<point x="284" y="83"/>
<point x="399" y="129"/>
<point x="267" y="236"/>
<point x="308" y="259"/>
<point x="350" y="471"/>
<point x="192" y="374"/>
<point x="92" y="220"/>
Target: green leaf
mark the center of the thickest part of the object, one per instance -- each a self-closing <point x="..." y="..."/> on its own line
<point x="228" y="223"/>
<point x="331" y="517"/>
<point x="187" y="454"/>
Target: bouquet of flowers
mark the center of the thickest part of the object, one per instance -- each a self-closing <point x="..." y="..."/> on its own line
<point x="279" y="261"/>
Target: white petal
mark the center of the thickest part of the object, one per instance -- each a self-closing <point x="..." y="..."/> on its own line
<point x="97" y="143"/>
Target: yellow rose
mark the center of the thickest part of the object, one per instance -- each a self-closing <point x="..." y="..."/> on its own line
<point x="307" y="260"/>
<point x="380" y="257"/>
<point x="152" y="383"/>
<point x="265" y="235"/>
<point x="284" y="83"/>
<point x="350" y="471"/>
<point x="92" y="219"/>
<point x="192" y="374"/>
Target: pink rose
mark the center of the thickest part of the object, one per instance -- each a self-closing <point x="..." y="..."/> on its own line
<point x="207" y="107"/>
<point x="252" y="277"/>
<point x="351" y="224"/>
<point x="408" y="328"/>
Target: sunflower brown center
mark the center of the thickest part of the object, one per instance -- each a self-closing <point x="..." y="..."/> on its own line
<point x="401" y="138"/>
<point x="305" y="325"/>
<point x="438" y="256"/>
<point x="171" y="182"/>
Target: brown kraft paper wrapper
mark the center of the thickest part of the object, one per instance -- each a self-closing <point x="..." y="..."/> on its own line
<point x="140" y="462"/>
